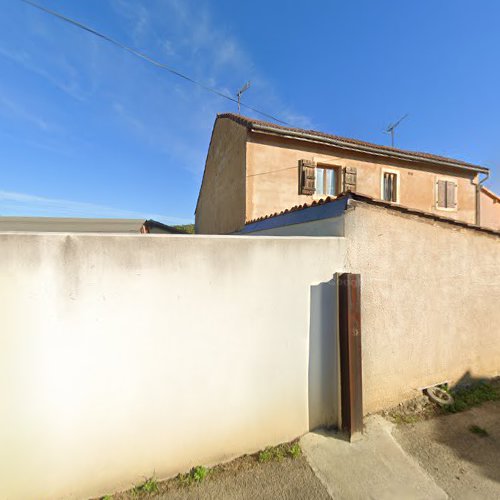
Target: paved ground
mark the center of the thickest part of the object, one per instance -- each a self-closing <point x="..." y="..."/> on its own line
<point x="375" y="467"/>
<point x="466" y="465"/>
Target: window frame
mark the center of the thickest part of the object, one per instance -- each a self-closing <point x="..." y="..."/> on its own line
<point x="454" y="180"/>
<point x="325" y="165"/>
<point x="398" y="184"/>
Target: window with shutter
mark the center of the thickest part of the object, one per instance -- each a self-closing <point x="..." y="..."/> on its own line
<point x="307" y="177"/>
<point x="441" y="194"/>
<point x="446" y="194"/>
<point x="390" y="186"/>
<point x="451" y="189"/>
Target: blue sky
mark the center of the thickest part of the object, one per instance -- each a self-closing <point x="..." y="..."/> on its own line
<point x="86" y="129"/>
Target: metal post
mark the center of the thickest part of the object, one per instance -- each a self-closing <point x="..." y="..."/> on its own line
<point x="350" y="354"/>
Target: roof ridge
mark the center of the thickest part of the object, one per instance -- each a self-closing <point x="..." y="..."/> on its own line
<point x="252" y="123"/>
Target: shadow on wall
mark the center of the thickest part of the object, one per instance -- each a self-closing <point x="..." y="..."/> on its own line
<point x="481" y="451"/>
<point x="323" y="356"/>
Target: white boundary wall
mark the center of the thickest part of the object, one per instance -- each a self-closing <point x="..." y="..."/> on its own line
<point x="127" y="355"/>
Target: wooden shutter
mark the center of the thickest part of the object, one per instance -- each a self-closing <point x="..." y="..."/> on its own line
<point x="349" y="181"/>
<point x="307" y="177"/>
<point x="451" y="194"/>
<point x="441" y="194"/>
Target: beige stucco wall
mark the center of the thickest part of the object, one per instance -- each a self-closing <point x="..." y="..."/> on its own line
<point x="221" y="203"/>
<point x="272" y="177"/>
<point x="124" y="355"/>
<point x="430" y="302"/>
<point x="490" y="211"/>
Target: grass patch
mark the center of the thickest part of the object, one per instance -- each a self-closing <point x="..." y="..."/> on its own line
<point x="147" y="487"/>
<point x="475" y="429"/>
<point x="468" y="397"/>
<point x="195" y="475"/>
<point x="403" y="418"/>
<point x="278" y="453"/>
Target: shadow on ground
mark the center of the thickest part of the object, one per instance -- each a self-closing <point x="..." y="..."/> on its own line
<point x="453" y="431"/>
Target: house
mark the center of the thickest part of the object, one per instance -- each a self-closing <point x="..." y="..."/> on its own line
<point x="84" y="225"/>
<point x="490" y="208"/>
<point x="255" y="168"/>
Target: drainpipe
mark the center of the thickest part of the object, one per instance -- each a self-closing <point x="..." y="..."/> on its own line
<point x="479" y="185"/>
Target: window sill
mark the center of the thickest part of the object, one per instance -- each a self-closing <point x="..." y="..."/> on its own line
<point x="324" y="196"/>
<point x="444" y="209"/>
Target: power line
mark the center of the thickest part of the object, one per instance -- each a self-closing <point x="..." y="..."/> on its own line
<point x="149" y="59"/>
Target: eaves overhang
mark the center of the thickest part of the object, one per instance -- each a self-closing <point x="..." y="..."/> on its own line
<point x="361" y="148"/>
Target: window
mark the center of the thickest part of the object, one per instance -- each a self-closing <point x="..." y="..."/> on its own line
<point x="446" y="194"/>
<point x="390" y="186"/>
<point x="326" y="181"/>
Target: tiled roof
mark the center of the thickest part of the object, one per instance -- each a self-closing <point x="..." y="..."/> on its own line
<point x="374" y="201"/>
<point x="314" y="203"/>
<point x="345" y="142"/>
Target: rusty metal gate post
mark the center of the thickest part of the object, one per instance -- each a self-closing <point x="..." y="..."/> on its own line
<point x="349" y="286"/>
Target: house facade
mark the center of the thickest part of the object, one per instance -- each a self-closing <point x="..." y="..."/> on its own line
<point x="490" y="209"/>
<point x="256" y="168"/>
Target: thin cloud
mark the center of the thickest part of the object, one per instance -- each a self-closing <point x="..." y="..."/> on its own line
<point x="24" y="204"/>
<point x="13" y="109"/>
<point x="207" y="52"/>
<point x="68" y="84"/>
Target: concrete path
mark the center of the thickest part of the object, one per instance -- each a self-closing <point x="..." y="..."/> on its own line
<point x="376" y="467"/>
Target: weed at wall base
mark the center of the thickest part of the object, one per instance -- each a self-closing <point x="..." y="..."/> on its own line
<point x="195" y="475"/>
<point x="149" y="486"/>
<point x="278" y="453"/>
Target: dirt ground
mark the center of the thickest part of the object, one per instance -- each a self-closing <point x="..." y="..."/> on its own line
<point x="245" y="479"/>
<point x="463" y="463"/>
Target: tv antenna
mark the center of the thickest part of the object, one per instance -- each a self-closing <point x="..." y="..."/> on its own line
<point x="390" y="128"/>
<point x="240" y="92"/>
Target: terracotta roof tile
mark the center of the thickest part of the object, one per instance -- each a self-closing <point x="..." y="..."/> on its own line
<point x="373" y="201"/>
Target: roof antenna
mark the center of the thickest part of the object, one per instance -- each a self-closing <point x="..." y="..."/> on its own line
<point x="390" y="128"/>
<point x="238" y="94"/>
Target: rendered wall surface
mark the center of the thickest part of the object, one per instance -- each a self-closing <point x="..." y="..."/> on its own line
<point x="128" y="355"/>
<point x="221" y="203"/>
<point x="272" y="178"/>
<point x="430" y="296"/>
<point x="490" y="211"/>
